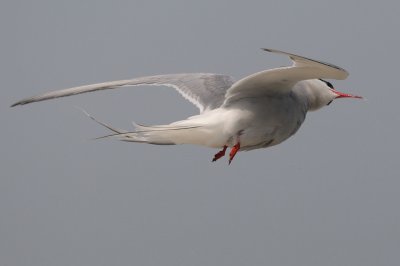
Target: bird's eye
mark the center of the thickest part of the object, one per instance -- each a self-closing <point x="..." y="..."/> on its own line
<point x="329" y="102"/>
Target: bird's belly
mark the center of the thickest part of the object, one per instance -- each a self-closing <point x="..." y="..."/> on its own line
<point x="268" y="134"/>
<point x="255" y="138"/>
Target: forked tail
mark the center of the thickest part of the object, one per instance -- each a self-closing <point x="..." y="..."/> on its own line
<point x="159" y="135"/>
<point x="180" y="132"/>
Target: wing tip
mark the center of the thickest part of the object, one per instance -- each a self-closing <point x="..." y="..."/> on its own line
<point x="276" y="51"/>
<point x="24" y="101"/>
<point x="266" y="49"/>
<point x="18" y="103"/>
<point x="273" y="50"/>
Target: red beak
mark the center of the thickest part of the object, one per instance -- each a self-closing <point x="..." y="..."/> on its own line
<point x="346" y="95"/>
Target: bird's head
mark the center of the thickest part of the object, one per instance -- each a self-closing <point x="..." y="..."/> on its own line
<point x="321" y="93"/>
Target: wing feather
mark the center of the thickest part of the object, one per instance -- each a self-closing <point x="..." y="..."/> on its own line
<point x="282" y="80"/>
<point x="204" y="90"/>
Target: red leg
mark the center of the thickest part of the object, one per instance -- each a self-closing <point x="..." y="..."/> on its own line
<point x="233" y="152"/>
<point x="220" y="154"/>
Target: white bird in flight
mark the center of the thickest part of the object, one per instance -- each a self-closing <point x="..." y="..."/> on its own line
<point x="258" y="111"/>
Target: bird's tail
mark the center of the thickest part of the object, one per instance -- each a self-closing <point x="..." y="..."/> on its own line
<point x="186" y="133"/>
<point x="160" y="135"/>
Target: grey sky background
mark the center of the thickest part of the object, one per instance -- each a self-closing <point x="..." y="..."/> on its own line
<point x="327" y="196"/>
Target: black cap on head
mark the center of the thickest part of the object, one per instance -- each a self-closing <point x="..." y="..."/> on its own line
<point x="327" y="83"/>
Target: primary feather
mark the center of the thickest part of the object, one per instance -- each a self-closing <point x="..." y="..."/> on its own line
<point x="206" y="91"/>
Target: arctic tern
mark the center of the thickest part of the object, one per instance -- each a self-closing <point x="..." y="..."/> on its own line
<point x="257" y="111"/>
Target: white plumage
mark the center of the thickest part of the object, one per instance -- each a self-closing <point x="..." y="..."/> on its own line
<point x="258" y="111"/>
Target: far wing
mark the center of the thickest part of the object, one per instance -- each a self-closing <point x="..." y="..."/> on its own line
<point x="206" y="91"/>
<point x="281" y="80"/>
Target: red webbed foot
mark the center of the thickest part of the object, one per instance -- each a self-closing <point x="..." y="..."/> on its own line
<point x="233" y="152"/>
<point x="220" y="154"/>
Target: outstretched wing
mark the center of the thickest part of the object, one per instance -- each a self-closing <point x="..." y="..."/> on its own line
<point x="206" y="91"/>
<point x="281" y="80"/>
